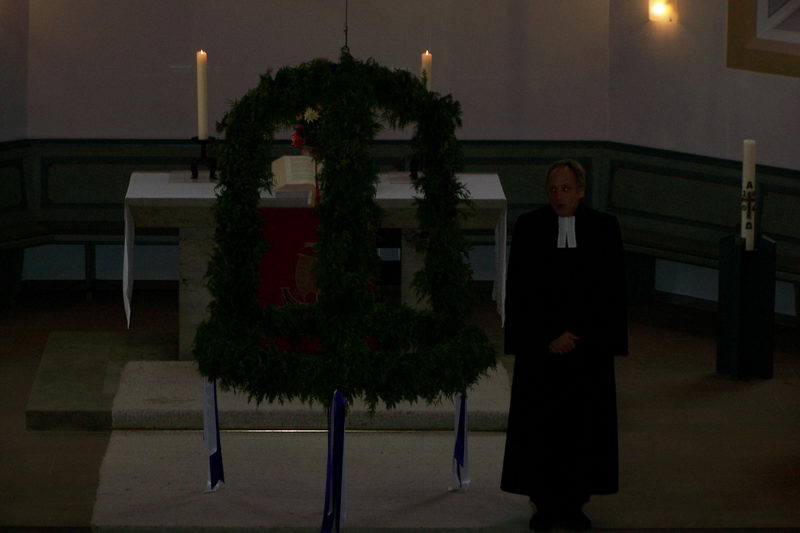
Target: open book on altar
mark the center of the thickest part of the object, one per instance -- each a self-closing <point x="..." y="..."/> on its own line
<point x="294" y="174"/>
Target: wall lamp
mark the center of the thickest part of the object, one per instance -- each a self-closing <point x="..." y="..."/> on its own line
<point x="664" y="10"/>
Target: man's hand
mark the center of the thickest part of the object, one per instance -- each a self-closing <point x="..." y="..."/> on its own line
<point x="563" y="344"/>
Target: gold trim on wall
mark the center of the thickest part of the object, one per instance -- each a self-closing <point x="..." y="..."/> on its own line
<point x="748" y="52"/>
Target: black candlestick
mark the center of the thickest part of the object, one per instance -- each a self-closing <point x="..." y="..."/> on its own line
<point x="745" y="331"/>
<point x="204" y="160"/>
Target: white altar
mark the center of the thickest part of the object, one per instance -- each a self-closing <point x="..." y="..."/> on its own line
<point x="171" y="200"/>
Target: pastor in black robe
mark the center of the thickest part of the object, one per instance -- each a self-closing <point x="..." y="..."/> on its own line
<point x="561" y="442"/>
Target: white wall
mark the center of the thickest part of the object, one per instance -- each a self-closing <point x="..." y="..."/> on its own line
<point x="670" y="88"/>
<point x="13" y="66"/>
<point x="522" y="69"/>
<point x="125" y="69"/>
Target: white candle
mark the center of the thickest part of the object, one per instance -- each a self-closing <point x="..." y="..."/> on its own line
<point x="749" y="194"/>
<point x="427" y="68"/>
<point x="202" y="95"/>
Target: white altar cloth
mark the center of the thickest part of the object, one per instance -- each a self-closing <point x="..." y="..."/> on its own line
<point x="394" y="194"/>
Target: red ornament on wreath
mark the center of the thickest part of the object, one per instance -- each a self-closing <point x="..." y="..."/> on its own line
<point x="298" y="138"/>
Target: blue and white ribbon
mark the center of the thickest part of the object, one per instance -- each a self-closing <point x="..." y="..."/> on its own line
<point x="334" y="513"/>
<point x="460" y="450"/>
<point x="216" y="475"/>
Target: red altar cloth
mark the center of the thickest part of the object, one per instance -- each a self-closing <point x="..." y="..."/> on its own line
<point x="287" y="266"/>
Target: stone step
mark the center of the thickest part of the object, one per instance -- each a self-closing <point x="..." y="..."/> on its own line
<point x="169" y="395"/>
<point x="79" y="373"/>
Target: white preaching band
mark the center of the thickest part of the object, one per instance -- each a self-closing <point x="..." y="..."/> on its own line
<point x="566" y="232"/>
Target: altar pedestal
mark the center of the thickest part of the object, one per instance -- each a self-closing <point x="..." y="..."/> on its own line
<point x="196" y="245"/>
<point x="411" y="262"/>
<point x="745" y="335"/>
<point x="164" y="201"/>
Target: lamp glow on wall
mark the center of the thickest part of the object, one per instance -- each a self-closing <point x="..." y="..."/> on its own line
<point x="664" y="10"/>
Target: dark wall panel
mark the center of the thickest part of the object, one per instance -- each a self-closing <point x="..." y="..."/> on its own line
<point x="12" y="185"/>
<point x="673" y="195"/>
<point x="670" y="205"/>
<point x="94" y="181"/>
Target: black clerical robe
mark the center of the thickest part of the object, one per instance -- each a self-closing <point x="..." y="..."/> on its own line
<point x="562" y="422"/>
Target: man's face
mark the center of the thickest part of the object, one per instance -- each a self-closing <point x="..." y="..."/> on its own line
<point x="563" y="191"/>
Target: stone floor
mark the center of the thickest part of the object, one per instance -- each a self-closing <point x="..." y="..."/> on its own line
<point x="698" y="451"/>
<point x="50" y="477"/>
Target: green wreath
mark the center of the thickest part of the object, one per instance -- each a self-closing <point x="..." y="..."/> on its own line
<point x="427" y="354"/>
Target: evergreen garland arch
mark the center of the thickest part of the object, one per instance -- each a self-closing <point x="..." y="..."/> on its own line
<point x="419" y="354"/>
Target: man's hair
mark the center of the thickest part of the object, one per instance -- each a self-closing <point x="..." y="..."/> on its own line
<point x="574" y="166"/>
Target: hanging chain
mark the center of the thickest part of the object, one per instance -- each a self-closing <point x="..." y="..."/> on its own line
<point x="345" y="48"/>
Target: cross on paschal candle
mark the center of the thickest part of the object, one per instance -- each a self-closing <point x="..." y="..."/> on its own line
<point x="748" y="200"/>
